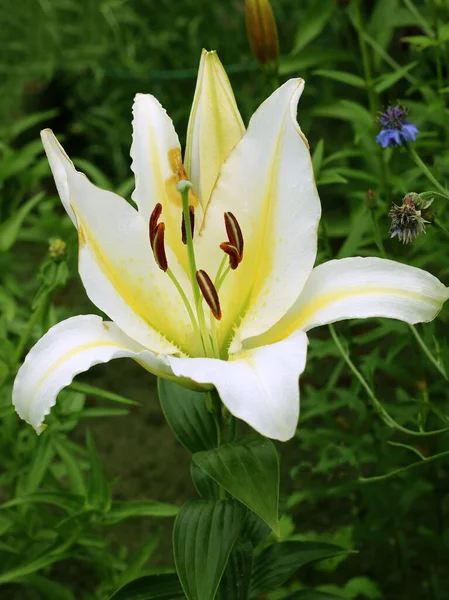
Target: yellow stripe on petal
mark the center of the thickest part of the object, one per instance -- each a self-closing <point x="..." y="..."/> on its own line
<point x="356" y="288"/>
<point x="67" y="349"/>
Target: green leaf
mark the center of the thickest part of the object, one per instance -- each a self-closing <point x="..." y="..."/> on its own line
<point x="99" y="494"/>
<point x="31" y="566"/>
<point x="152" y="587"/>
<point x="126" y="510"/>
<point x="204" y="534"/>
<point x="421" y="41"/>
<point x="342" y="77"/>
<point x="9" y="230"/>
<point x="43" y="457"/>
<point x="314" y="595"/>
<point x="92" y="390"/>
<point x="68" y="502"/>
<point x="236" y="579"/>
<point x="204" y="485"/>
<point x="387" y="81"/>
<point x="279" y="562"/>
<point x="72" y="465"/>
<point x="187" y="415"/>
<point x="312" y="24"/>
<point x="140" y="558"/>
<point x="48" y="588"/>
<point x="317" y="158"/>
<point x="249" y="470"/>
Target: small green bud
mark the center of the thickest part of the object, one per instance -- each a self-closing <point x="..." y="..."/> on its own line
<point x="57" y="249"/>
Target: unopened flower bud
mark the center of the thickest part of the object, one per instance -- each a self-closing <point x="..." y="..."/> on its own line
<point x="57" y="249"/>
<point x="262" y="33"/>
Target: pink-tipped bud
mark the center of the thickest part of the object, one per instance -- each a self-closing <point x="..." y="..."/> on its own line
<point x="209" y="293"/>
<point x="192" y="224"/>
<point x="159" y="247"/>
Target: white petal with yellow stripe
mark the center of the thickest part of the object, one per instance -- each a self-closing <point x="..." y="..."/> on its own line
<point x="355" y="288"/>
<point x="268" y="184"/>
<point x="259" y="386"/>
<point x="116" y="263"/>
<point x="69" y="348"/>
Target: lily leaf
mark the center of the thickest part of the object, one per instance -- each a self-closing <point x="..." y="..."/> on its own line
<point x="187" y="415"/>
<point x="151" y="587"/>
<point x="279" y="562"/>
<point x="249" y="470"/>
<point x="204" y="534"/>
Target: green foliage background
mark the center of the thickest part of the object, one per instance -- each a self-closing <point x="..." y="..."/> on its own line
<point x="371" y="389"/>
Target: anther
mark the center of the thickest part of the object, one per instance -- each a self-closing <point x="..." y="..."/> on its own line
<point x="192" y="224"/>
<point x="209" y="293"/>
<point x="159" y="247"/>
<point x="234" y="232"/>
<point x="157" y="211"/>
<point x="233" y="253"/>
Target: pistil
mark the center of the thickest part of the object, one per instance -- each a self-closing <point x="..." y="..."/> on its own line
<point x="183" y="188"/>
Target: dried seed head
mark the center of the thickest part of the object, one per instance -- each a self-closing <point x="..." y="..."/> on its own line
<point x="192" y="224"/>
<point x="209" y="293"/>
<point x="234" y="232"/>
<point x="406" y="220"/>
<point x="157" y="211"/>
<point x="233" y="254"/>
<point x="159" y="247"/>
<point x="262" y="33"/>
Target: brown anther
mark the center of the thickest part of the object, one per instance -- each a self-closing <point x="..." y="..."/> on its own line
<point x="233" y="253"/>
<point x="192" y="224"/>
<point x="234" y="232"/>
<point x="157" y="211"/>
<point x="209" y="292"/>
<point x="159" y="247"/>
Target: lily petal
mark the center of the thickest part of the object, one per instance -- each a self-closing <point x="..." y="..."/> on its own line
<point x="268" y="184"/>
<point x="69" y="348"/>
<point x="158" y="167"/>
<point x="258" y="386"/>
<point x="355" y="288"/>
<point x="116" y="263"/>
<point x="215" y="126"/>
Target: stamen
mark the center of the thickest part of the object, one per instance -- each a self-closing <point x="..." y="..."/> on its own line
<point x="192" y="224"/>
<point x="157" y="211"/>
<point x="209" y="293"/>
<point x="234" y="232"/>
<point x="159" y="247"/>
<point x="233" y="253"/>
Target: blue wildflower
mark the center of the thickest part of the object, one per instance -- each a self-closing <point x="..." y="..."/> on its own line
<point x="395" y="129"/>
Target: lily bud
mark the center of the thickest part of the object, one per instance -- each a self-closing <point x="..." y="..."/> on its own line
<point x="262" y="33"/>
<point x="215" y="126"/>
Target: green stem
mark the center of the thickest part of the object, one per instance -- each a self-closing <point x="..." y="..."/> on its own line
<point x="185" y="300"/>
<point x="371" y="93"/>
<point x="440" y="368"/>
<point x="378" y="406"/>
<point x="426" y="171"/>
<point x="28" y="330"/>
<point x="403" y="469"/>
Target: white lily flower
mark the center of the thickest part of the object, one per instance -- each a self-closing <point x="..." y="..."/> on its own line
<point x="162" y="303"/>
